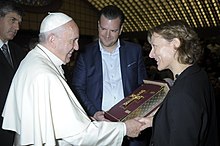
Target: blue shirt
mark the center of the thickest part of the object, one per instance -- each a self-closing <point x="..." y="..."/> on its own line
<point x="112" y="81"/>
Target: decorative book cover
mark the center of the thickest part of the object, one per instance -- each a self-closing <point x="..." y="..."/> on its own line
<point x="144" y="100"/>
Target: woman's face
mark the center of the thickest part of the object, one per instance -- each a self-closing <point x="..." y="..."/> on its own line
<point x="163" y="52"/>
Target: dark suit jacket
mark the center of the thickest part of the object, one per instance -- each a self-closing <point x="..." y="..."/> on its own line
<point x="87" y="81"/>
<point x="6" y="75"/>
<point x="187" y="116"/>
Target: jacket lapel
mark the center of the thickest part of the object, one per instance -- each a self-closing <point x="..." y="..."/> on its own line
<point x="98" y="65"/>
<point x="123" y="63"/>
<point x="4" y="61"/>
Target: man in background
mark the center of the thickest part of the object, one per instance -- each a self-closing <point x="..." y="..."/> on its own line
<point x="10" y="56"/>
<point x="108" y="69"/>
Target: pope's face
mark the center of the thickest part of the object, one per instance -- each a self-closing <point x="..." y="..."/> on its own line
<point x="162" y="51"/>
<point x="68" y="42"/>
<point x="9" y="25"/>
<point x="109" y="31"/>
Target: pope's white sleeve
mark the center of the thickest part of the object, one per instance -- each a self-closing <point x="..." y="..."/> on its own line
<point x="100" y="134"/>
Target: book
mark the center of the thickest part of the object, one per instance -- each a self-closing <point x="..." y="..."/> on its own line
<point x="143" y="101"/>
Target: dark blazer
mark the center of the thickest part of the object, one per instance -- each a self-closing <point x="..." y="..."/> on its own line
<point x="6" y="75"/>
<point x="87" y="79"/>
<point x="187" y="116"/>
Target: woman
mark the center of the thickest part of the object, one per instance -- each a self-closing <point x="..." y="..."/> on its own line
<point x="187" y="116"/>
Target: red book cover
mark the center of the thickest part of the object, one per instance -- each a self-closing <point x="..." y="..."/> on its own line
<point x="141" y="102"/>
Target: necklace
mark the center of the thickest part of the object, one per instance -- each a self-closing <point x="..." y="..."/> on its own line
<point x="57" y="70"/>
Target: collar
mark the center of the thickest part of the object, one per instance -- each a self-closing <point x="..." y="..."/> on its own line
<point x="57" y="61"/>
<point x="189" y="70"/>
<point x="102" y="49"/>
<point x="2" y="43"/>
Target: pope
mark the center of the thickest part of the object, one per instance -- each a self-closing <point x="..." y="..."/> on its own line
<point x="40" y="106"/>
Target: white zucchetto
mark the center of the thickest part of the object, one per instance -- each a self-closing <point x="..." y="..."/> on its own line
<point x="54" y="20"/>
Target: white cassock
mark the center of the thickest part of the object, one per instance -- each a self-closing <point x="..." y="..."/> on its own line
<point x="42" y="109"/>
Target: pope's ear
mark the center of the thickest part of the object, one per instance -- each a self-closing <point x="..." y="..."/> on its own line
<point x="51" y="38"/>
<point x="176" y="42"/>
